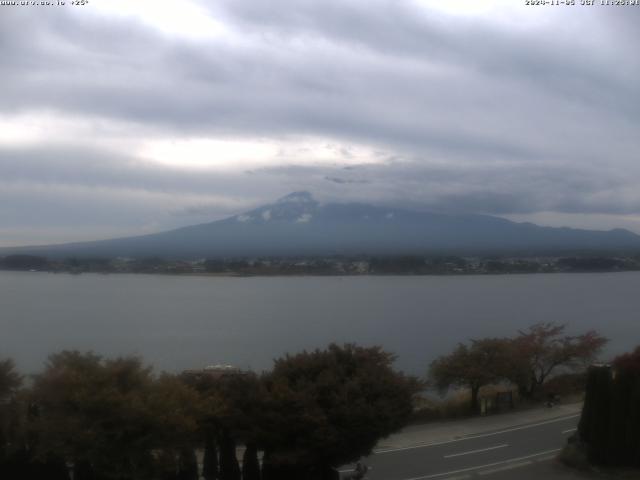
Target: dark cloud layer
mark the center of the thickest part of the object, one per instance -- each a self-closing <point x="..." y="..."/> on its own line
<point x="469" y="114"/>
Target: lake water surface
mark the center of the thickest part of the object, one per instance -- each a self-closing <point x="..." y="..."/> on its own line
<point x="178" y="322"/>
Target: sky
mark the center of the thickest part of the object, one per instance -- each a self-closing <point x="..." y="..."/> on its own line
<point x="129" y="117"/>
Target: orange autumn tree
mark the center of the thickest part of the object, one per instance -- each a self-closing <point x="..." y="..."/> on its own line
<point x="544" y="349"/>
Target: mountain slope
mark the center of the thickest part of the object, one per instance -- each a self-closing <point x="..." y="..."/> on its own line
<point x="298" y="225"/>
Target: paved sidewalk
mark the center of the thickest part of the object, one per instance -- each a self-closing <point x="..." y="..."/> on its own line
<point x="443" y="431"/>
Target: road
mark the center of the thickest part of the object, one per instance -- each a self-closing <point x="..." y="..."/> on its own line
<point x="528" y="449"/>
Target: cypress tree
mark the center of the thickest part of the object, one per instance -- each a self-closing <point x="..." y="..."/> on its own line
<point x="188" y="465"/>
<point x="166" y="465"/>
<point x="625" y="428"/>
<point x="250" y="463"/>
<point x="210" y="460"/>
<point x="610" y="421"/>
<point x="55" y="468"/>
<point x="625" y="431"/>
<point x="618" y="447"/>
<point x="634" y="423"/>
<point x="594" y="423"/>
<point x="18" y="466"/>
<point x="229" y="468"/>
<point x="267" y="469"/>
<point x="83" y="470"/>
<point x="585" y="425"/>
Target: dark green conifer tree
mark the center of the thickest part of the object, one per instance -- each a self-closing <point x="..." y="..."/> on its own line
<point x="188" y="465"/>
<point x="229" y="468"/>
<point x="250" y="463"/>
<point x="210" y="461"/>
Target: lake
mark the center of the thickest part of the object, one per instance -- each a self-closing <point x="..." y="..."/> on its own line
<point x="179" y="322"/>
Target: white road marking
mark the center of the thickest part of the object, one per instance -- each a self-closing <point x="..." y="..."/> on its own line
<point x="569" y="430"/>
<point x="546" y="459"/>
<point x="476" y="451"/>
<point x="480" y="467"/>
<point x="347" y="470"/>
<point x="505" y="468"/>
<point x="473" y="437"/>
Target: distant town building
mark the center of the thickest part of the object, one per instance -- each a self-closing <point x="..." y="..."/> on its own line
<point x="214" y="372"/>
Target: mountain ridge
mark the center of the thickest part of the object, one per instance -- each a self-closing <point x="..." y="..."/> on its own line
<point x="297" y="224"/>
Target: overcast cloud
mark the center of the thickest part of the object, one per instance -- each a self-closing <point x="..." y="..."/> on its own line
<point x="122" y="118"/>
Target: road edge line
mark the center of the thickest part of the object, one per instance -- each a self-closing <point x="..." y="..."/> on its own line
<point x="479" y="467"/>
<point x="474" y="436"/>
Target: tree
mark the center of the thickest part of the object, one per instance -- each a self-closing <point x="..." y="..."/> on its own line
<point x="544" y="349"/>
<point x="628" y="361"/>
<point x="111" y="417"/>
<point x="10" y="382"/>
<point x="187" y="465"/>
<point x="174" y="409"/>
<point x="233" y="401"/>
<point x="609" y="428"/>
<point x="624" y="430"/>
<point x="250" y="463"/>
<point x="240" y="400"/>
<point x="593" y="427"/>
<point x="329" y="407"/>
<point x="481" y="363"/>
<point x="91" y="413"/>
<point x="24" y="262"/>
<point x="210" y="459"/>
<point x="229" y="468"/>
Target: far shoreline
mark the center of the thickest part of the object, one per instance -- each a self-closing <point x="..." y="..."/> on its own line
<point x="318" y="275"/>
<point x="330" y="266"/>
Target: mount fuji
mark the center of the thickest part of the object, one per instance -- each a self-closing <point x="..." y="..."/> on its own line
<point x="298" y="225"/>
